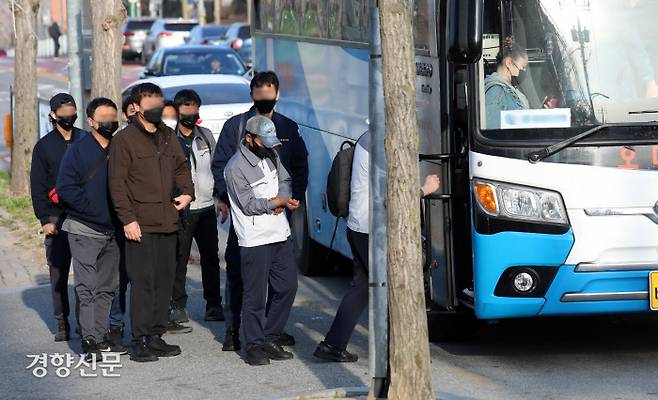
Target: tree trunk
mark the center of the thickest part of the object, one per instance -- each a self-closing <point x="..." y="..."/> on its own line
<point x="26" y="104"/>
<point x="108" y="17"/>
<point x="409" y="344"/>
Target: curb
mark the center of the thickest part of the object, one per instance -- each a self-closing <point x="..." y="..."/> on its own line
<point x="338" y="393"/>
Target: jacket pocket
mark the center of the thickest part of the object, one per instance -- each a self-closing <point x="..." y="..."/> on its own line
<point x="149" y="214"/>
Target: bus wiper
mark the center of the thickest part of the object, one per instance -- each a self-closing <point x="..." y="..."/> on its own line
<point x="537" y="156"/>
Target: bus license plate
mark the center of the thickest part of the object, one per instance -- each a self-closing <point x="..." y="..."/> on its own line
<point x="653" y="290"/>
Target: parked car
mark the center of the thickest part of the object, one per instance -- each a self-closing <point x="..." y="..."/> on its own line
<point x="166" y="33"/>
<point x="208" y="35"/>
<point x="238" y="37"/>
<point x="223" y="96"/>
<point x="134" y="34"/>
<point x="195" y="59"/>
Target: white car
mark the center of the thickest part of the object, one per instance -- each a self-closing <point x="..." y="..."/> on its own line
<point x="167" y="32"/>
<point x="223" y="96"/>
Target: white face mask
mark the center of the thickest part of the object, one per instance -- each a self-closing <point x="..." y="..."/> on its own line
<point x="170" y="123"/>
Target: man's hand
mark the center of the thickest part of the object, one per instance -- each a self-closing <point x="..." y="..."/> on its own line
<point x="222" y="209"/>
<point x="50" y="229"/>
<point x="278" y="210"/>
<point x="292" y="204"/>
<point x="182" y="201"/>
<point x="280" y="202"/>
<point x="432" y="184"/>
<point x="133" y="232"/>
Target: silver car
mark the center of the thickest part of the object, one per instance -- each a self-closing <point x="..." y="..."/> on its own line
<point x="166" y="32"/>
<point x="134" y="34"/>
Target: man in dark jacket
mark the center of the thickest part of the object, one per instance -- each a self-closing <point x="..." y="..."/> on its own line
<point x="82" y="187"/>
<point x="46" y="158"/>
<point x="55" y="33"/>
<point x="293" y="156"/>
<point x="147" y="171"/>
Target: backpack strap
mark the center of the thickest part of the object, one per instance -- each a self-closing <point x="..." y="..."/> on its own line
<point x="94" y="168"/>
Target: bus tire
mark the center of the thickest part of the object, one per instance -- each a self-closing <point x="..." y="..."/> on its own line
<point x="451" y="326"/>
<point x="303" y="246"/>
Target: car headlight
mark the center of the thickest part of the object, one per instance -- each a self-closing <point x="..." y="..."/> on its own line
<point x="519" y="202"/>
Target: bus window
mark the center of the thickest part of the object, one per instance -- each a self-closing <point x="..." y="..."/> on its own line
<point x="573" y="63"/>
<point x="421" y="25"/>
<point x="334" y="12"/>
<point x="312" y="17"/>
<point x="354" y="24"/>
<point x="289" y="17"/>
<point x="266" y="20"/>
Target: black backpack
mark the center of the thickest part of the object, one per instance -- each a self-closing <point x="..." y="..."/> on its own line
<point x="339" y="181"/>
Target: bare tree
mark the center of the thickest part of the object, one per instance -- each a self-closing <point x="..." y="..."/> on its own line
<point x="409" y="343"/>
<point x="26" y="106"/>
<point x="108" y="17"/>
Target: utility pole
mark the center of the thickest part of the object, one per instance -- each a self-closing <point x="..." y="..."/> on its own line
<point x="25" y="115"/>
<point x="201" y="12"/>
<point x="378" y="296"/>
<point x="409" y="344"/>
<point x="74" y="44"/>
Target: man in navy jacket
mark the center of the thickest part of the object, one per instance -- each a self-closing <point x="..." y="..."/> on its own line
<point x="83" y="187"/>
<point x="46" y="158"/>
<point x="293" y="156"/>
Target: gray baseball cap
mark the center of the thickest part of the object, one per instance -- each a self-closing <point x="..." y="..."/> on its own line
<point x="264" y="128"/>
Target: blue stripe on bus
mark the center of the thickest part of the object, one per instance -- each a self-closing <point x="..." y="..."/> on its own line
<point x="493" y="254"/>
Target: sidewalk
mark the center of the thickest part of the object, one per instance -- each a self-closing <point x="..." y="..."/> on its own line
<point x="20" y="266"/>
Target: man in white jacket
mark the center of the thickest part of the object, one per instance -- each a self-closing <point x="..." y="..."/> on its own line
<point x="259" y="188"/>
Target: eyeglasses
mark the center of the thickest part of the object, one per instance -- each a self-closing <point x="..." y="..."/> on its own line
<point x="517" y="67"/>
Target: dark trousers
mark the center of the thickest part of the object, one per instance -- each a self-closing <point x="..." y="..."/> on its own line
<point x="202" y="227"/>
<point x="118" y="310"/>
<point x="58" y="257"/>
<point x="355" y="300"/>
<point x="96" y="266"/>
<point x="151" y="266"/>
<point x="56" y="40"/>
<point x="233" y="287"/>
<point x="271" y="264"/>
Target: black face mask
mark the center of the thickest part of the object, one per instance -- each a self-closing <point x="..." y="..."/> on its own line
<point x="153" y="115"/>
<point x="188" y="121"/>
<point x="66" y="123"/>
<point x="261" y="152"/>
<point x="107" y="128"/>
<point x="265" y="106"/>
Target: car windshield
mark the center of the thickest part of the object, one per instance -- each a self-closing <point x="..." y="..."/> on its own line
<point x="215" y="93"/>
<point x="569" y="63"/>
<point x="202" y="62"/>
<point x="180" y="27"/>
<point x="215" y="32"/>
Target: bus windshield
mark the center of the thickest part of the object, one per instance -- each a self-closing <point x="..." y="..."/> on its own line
<point x="568" y="63"/>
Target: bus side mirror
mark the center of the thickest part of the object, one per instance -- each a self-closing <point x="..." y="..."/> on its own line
<point x="465" y="31"/>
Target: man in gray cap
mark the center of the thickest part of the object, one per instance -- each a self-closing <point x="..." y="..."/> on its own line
<point x="259" y="188"/>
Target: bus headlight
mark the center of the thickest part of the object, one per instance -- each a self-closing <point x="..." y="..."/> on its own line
<point x="520" y="202"/>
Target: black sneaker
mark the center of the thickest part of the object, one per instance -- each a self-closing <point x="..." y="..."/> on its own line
<point x="91" y="350"/>
<point x="176" y="328"/>
<point x="114" y="335"/>
<point x="257" y="356"/>
<point x="141" y="352"/>
<point x="327" y="352"/>
<point x="285" y="340"/>
<point x="214" y="314"/>
<point x="160" y="348"/>
<point x="276" y="352"/>
<point x="231" y="340"/>
<point x="63" y="331"/>
<point x="178" y="315"/>
<point x="107" y="347"/>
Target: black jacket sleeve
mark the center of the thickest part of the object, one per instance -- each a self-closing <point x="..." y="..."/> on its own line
<point x="298" y="165"/>
<point x="39" y="189"/>
<point x="224" y="150"/>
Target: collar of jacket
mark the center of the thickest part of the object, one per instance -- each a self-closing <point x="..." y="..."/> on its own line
<point x="196" y="133"/>
<point x="75" y="134"/>
<point x="138" y="124"/>
<point x="250" y="156"/>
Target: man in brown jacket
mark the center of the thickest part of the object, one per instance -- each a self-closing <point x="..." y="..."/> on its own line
<point x="150" y="183"/>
